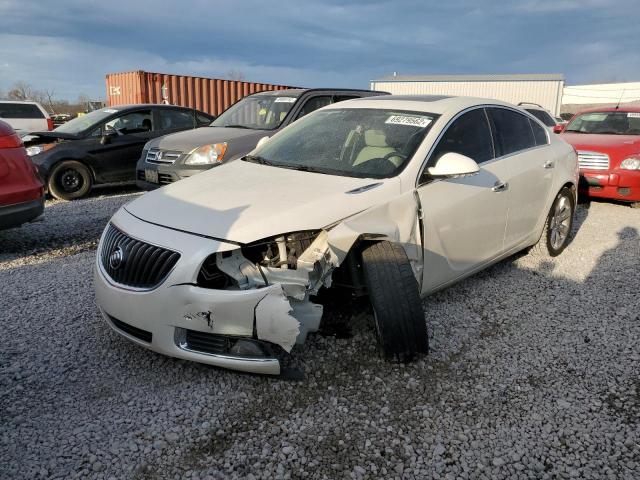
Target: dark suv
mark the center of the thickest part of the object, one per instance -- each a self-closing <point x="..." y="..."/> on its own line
<point x="103" y="146"/>
<point x="233" y="134"/>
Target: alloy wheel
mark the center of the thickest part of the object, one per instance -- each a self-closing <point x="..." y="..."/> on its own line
<point x="560" y="223"/>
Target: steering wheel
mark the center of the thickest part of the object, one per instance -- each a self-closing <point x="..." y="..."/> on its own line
<point x="391" y="155"/>
<point x="111" y="128"/>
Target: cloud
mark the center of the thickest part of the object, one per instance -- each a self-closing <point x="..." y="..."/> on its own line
<point x="330" y="43"/>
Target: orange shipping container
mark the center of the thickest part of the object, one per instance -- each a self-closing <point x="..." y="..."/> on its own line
<point x="211" y="95"/>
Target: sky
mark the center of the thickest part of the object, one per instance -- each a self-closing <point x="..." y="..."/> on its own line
<point x="68" y="46"/>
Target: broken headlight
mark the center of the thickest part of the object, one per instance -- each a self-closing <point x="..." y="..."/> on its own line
<point x="280" y="251"/>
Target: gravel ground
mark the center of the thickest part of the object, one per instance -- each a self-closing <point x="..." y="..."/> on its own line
<point x="533" y="373"/>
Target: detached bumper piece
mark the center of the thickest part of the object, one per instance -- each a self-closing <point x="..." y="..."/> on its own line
<point x="229" y="352"/>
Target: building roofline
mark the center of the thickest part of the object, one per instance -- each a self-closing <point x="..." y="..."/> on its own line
<point x="525" y="77"/>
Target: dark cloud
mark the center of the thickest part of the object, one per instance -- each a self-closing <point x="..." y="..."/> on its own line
<point x="70" y="45"/>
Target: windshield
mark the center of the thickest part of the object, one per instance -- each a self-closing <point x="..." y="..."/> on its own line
<point x="257" y="112"/>
<point x="83" y="122"/>
<point x="367" y="143"/>
<point x="612" y="123"/>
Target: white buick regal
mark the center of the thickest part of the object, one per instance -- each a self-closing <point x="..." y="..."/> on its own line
<point x="394" y="197"/>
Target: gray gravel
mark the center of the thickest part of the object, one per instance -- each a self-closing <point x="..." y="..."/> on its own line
<point x="533" y="373"/>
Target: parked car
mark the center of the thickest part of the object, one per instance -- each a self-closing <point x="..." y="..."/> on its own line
<point x="540" y="113"/>
<point x="103" y="146"/>
<point x="25" y="117"/>
<point x="233" y="134"/>
<point x="396" y="196"/>
<point x="21" y="191"/>
<point x="608" y="145"/>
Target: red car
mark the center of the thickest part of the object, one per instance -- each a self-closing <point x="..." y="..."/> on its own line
<point x="21" y="190"/>
<point x="608" y="145"/>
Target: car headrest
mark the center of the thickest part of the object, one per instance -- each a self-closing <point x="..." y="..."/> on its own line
<point x="375" y="138"/>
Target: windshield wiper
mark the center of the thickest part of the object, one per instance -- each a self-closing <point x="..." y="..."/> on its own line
<point x="258" y="159"/>
<point x="238" y="126"/>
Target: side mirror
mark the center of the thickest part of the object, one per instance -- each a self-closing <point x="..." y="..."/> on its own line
<point x="108" y="136"/>
<point x="452" y="165"/>
<point x="558" y="129"/>
<point x="262" y="141"/>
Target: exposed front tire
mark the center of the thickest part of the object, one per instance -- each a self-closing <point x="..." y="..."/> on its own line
<point x="393" y="290"/>
<point x="69" y="180"/>
<point x="557" y="227"/>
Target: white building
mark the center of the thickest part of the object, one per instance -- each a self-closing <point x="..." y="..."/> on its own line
<point x="543" y="89"/>
<point x="607" y="93"/>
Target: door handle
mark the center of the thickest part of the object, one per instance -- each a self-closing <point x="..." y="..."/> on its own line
<point x="500" y="186"/>
<point x="548" y="164"/>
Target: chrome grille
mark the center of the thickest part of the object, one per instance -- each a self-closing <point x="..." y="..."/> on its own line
<point x="157" y="156"/>
<point x="593" y="160"/>
<point x="134" y="263"/>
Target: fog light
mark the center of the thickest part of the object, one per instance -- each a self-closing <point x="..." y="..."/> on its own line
<point x="246" y="348"/>
<point x="624" y="191"/>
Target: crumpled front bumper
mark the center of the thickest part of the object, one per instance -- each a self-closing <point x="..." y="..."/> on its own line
<point x="158" y="318"/>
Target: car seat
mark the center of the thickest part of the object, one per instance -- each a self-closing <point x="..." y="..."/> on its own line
<point x="375" y="146"/>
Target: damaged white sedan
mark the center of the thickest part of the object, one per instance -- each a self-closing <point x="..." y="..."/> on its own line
<point x="391" y="197"/>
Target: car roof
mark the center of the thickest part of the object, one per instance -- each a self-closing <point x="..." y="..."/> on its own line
<point x="120" y="108"/>
<point x="438" y="104"/>
<point x="622" y="108"/>
<point x="296" y="92"/>
<point x="26" y="102"/>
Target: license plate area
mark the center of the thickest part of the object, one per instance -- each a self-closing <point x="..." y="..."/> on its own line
<point x="151" y="176"/>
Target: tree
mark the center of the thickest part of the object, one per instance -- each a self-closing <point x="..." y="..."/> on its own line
<point x="20" y="91"/>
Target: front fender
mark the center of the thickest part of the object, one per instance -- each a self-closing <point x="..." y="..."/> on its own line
<point x="397" y="221"/>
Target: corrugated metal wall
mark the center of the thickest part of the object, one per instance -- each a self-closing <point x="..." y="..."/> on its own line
<point x="546" y="93"/>
<point x="210" y="95"/>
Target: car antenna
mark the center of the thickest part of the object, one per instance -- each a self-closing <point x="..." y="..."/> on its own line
<point x="621" y="95"/>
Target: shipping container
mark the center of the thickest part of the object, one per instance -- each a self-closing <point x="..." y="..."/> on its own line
<point x="543" y="89"/>
<point x="211" y="95"/>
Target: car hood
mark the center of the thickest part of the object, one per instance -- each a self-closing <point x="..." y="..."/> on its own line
<point x="616" y="146"/>
<point x="187" y="140"/>
<point x="242" y="202"/>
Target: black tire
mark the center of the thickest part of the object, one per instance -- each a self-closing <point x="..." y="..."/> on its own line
<point x="69" y="180"/>
<point x="393" y="291"/>
<point x="545" y="246"/>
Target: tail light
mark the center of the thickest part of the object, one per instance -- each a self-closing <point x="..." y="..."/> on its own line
<point x="10" y="141"/>
<point x="49" y="124"/>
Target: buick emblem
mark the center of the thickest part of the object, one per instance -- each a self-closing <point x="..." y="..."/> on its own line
<point x="116" y="259"/>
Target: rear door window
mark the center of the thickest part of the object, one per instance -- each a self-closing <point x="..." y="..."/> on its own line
<point x="539" y="133"/>
<point x="20" y="110"/>
<point x="512" y="130"/>
<point x="171" y="119"/>
<point x="468" y="135"/>
<point x="543" y="116"/>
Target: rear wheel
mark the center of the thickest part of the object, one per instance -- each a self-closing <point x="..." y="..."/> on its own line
<point x="393" y="290"/>
<point x="69" y="180"/>
<point x="557" y="228"/>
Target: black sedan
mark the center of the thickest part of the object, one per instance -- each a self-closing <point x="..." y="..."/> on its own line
<point x="103" y="146"/>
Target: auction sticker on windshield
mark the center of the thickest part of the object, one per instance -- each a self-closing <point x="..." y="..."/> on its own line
<point x="409" y="121"/>
<point x="633" y="115"/>
<point x="285" y="100"/>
